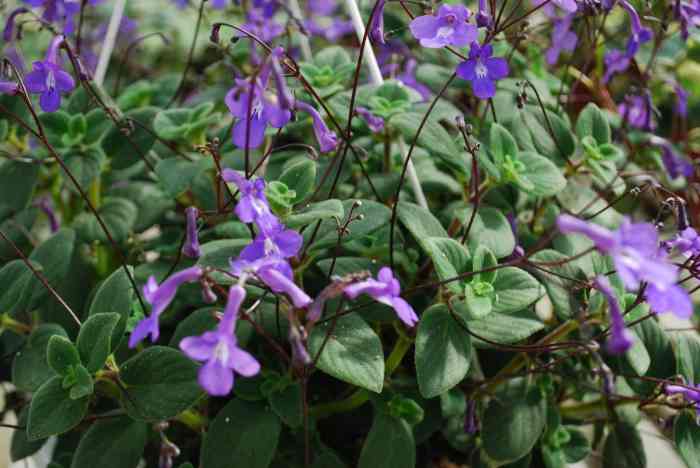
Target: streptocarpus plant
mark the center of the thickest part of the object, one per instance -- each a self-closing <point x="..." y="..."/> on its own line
<point x="220" y="255"/>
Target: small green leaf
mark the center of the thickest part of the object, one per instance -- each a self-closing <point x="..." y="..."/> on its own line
<point x="299" y="175"/>
<point x="118" y="215"/>
<point x="230" y="444"/>
<point x="515" y="290"/>
<point x="501" y="144"/>
<point x="593" y="122"/>
<point x="17" y="182"/>
<point x="442" y="353"/>
<point x="449" y="257"/>
<point x="95" y="339"/>
<point x="511" y="427"/>
<point x="53" y="412"/>
<point x="82" y="385"/>
<point x="353" y="352"/>
<point x="490" y="228"/>
<point x="389" y="444"/>
<point x="160" y="383"/>
<point x="505" y="328"/>
<point x="124" y="152"/>
<point x="115" y="295"/>
<point x="624" y="448"/>
<point x="546" y="178"/>
<point x="29" y="368"/>
<point x="61" y="355"/>
<point x="686" y="435"/>
<point x="315" y="212"/>
<point x="112" y="443"/>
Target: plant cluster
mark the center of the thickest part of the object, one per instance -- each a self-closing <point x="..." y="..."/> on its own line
<point x="386" y="233"/>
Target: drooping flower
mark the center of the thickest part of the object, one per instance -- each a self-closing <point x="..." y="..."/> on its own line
<point x="616" y="61"/>
<point x="483" y="18"/>
<point x="255" y="110"/>
<point x="621" y="339"/>
<point x="687" y="12"/>
<point x="374" y="122"/>
<point x="376" y="27"/>
<point x="8" y="31"/>
<point x="640" y="34"/>
<point x="483" y="70"/>
<point x="638" y="111"/>
<point x="191" y="246"/>
<point x="408" y="77"/>
<point x="638" y="258"/>
<point x="448" y="27"/>
<point x="160" y="297"/>
<point x="384" y="289"/>
<point x="252" y="206"/>
<point x="45" y="205"/>
<point x="563" y="39"/>
<point x="676" y="165"/>
<point x="275" y="273"/>
<point x="681" y="107"/>
<point x="219" y="350"/>
<point x="48" y="80"/>
<point x="58" y="11"/>
<point x="327" y="139"/>
<point x="8" y="87"/>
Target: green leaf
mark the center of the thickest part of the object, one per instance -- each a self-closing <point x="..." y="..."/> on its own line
<point x="17" y="182"/>
<point x="505" y="328"/>
<point x="624" y="448"/>
<point x="55" y="255"/>
<point x="593" y="122"/>
<point x="118" y="215"/>
<point x="175" y="175"/>
<point x="115" y="295"/>
<point x="85" y="166"/>
<point x="658" y="345"/>
<point x="353" y="352"/>
<point x="160" y="383"/>
<point x="20" y="446"/>
<point x="449" y="257"/>
<point x="230" y="444"/>
<point x="420" y="222"/>
<point x="546" y="178"/>
<point x="300" y="175"/>
<point x="29" y="368"/>
<point x="55" y="125"/>
<point x="80" y="383"/>
<point x="95" y="339"/>
<point x="217" y="254"/>
<point x="484" y="259"/>
<point x="53" y="412"/>
<point x="474" y="306"/>
<point x="112" y="443"/>
<point x="316" y="212"/>
<point x="510" y="428"/>
<point x="578" y="447"/>
<point x="287" y="403"/>
<point x="61" y="355"/>
<point x="124" y="151"/>
<point x="389" y="444"/>
<point x="443" y="352"/>
<point x="501" y="144"/>
<point x="17" y="282"/>
<point x="688" y="355"/>
<point x="559" y="289"/>
<point x="515" y="290"/>
<point x="490" y="228"/>
<point x="686" y="435"/>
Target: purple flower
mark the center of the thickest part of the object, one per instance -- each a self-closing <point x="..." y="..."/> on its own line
<point x="181" y="4"/>
<point x="191" y="246"/>
<point x="375" y="123"/>
<point x="278" y="243"/>
<point x="681" y="108"/>
<point x="275" y="273"/>
<point x="384" y="289"/>
<point x="687" y="242"/>
<point x="638" y="111"/>
<point x="327" y="140"/>
<point x="640" y="34"/>
<point x="46" y="206"/>
<point x="58" y="10"/>
<point x="563" y="39"/>
<point x="10" y="24"/>
<point x="691" y="393"/>
<point x="252" y="206"/>
<point x="48" y="79"/>
<point x="621" y="339"/>
<point x="264" y="111"/>
<point x="448" y="28"/>
<point x="483" y="70"/>
<point x="376" y="27"/>
<point x="160" y="297"/>
<point x="688" y="13"/>
<point x="638" y="259"/>
<point x="483" y="18"/>
<point x="675" y="164"/>
<point x="219" y="350"/>
<point x="615" y="61"/>
<point x="570" y="6"/>
<point x="8" y="87"/>
<point x="471" y="422"/>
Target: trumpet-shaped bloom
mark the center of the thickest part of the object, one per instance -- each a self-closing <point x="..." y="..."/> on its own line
<point x="48" y="80"/>
<point x="252" y="206"/>
<point x="448" y="27"/>
<point x="160" y="297"/>
<point x="191" y="246"/>
<point x="219" y="350"/>
<point x="483" y="70"/>
<point x="621" y="339"/>
<point x="327" y="139"/>
<point x="384" y="289"/>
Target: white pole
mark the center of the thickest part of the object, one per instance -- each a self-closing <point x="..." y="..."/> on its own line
<point x="108" y="45"/>
<point x="303" y="38"/>
<point x="377" y="79"/>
